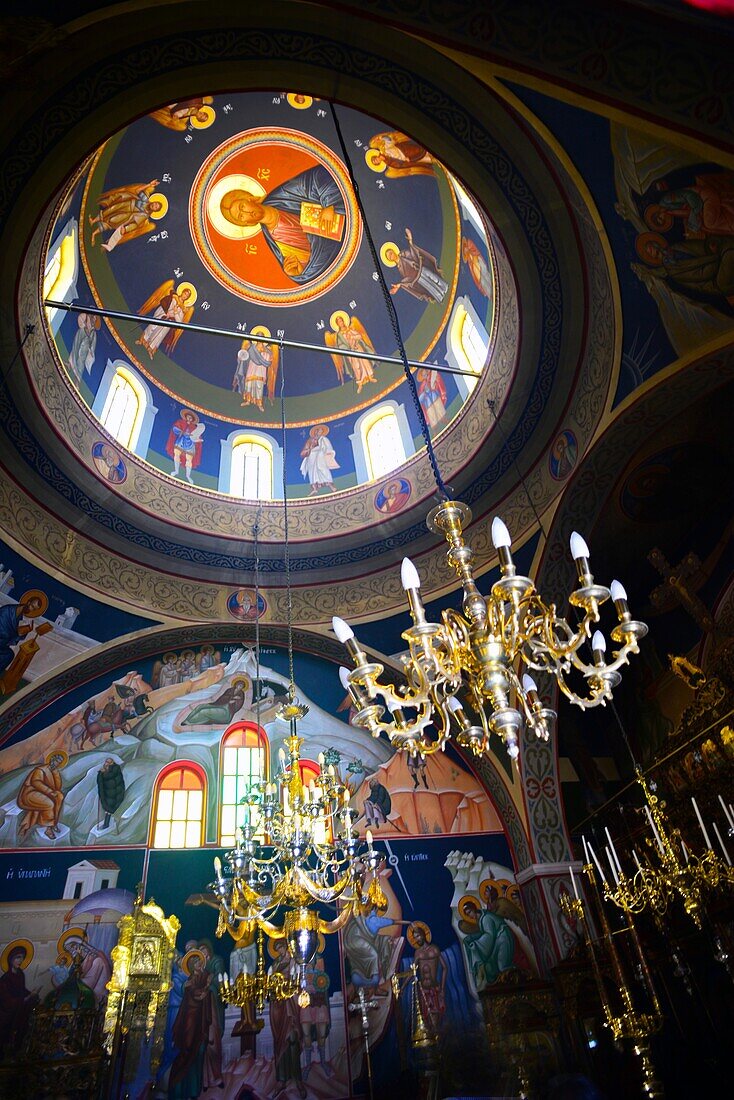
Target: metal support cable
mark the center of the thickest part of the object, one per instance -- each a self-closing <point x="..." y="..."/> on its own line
<point x="287" y="555"/>
<point x="392" y="313"/>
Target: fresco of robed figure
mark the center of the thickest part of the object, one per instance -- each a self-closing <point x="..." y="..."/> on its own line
<point x="302" y="220"/>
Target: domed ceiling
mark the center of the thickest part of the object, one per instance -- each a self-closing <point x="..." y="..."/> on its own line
<point x="244" y="216"/>
<point x="239" y="214"/>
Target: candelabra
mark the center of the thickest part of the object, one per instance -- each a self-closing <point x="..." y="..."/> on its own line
<point x="474" y="660"/>
<point x="297" y="847"/>
<point x="624" y="1020"/>
<point x="256" y="988"/>
<point x="677" y="871"/>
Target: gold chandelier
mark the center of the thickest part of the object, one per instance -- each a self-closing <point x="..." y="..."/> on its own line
<point x="670" y="870"/>
<point x="464" y="675"/>
<point x="297" y="847"/>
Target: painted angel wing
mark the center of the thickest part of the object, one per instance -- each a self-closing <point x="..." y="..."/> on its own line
<point x="174" y="334"/>
<point x="157" y="296"/>
<point x="355" y="323"/>
<point x="330" y="341"/>
<point x="273" y="372"/>
<point x="140" y="230"/>
<point x="511" y="912"/>
<point x="165" y="116"/>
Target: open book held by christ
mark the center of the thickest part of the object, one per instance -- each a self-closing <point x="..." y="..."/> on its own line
<point x="310" y="214"/>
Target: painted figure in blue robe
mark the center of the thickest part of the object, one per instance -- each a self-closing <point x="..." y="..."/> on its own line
<point x="302" y="221"/>
<point x="12" y="630"/>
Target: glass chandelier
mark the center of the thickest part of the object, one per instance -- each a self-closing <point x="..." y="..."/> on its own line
<point x="466" y="676"/>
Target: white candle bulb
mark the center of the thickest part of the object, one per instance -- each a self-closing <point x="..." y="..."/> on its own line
<point x="368" y="838"/>
<point x="636" y="859"/>
<point x="573" y="883"/>
<point x="613" y="850"/>
<point x="281" y="756"/>
<point x="617" y="590"/>
<point x="723" y="848"/>
<point x="344" y="677"/>
<point x="700" y="822"/>
<point x="409" y="575"/>
<point x="342" y="630"/>
<point x="321" y="759"/>
<point x="500" y="534"/>
<point x="610" y="861"/>
<point x="586" y="850"/>
<point x="602" y="876"/>
<point x="599" y="642"/>
<point x="453" y="704"/>
<point x="655" y="833"/>
<point x="529" y="684"/>
<point x="727" y="814"/>
<point x="579" y="549"/>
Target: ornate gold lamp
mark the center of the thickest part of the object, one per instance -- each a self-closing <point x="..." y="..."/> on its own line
<point x="465" y="674"/>
<point x="671" y="868"/>
<point x="297" y="847"/>
<point x="256" y="988"/>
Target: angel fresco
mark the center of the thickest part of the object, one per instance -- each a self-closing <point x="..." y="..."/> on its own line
<point x="349" y="334"/>
<point x="257" y="368"/>
<point x="187" y="114"/>
<point x="319" y="459"/>
<point x="493" y="936"/>
<point x="420" y="274"/>
<point x="129" y="212"/>
<point x="397" y="155"/>
<point x="477" y="265"/>
<point x="171" y="305"/>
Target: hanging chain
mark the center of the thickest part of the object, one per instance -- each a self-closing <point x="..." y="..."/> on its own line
<point x="289" y="599"/>
<point x="255" y="535"/>
<point x="392" y="314"/>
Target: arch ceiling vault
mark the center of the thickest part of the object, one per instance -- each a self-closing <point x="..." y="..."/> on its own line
<point x="156" y="544"/>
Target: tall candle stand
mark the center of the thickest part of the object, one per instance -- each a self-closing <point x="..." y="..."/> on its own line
<point x="624" y="1020"/>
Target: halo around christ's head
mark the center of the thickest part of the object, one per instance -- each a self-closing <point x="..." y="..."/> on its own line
<point x="236" y="182"/>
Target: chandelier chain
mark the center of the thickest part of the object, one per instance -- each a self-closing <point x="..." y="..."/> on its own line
<point x="289" y="598"/>
<point x="255" y="536"/>
<point x="392" y="314"/>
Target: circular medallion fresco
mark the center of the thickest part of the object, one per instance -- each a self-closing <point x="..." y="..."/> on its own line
<point x="237" y="216"/>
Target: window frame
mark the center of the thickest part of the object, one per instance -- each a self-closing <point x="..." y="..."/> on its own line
<point x="230" y="732"/>
<point x="174" y="766"/>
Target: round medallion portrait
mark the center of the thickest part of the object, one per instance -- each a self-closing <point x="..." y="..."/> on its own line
<point x="273" y="217"/>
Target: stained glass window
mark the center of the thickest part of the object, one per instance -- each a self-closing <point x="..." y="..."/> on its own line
<point x="178" y="820"/>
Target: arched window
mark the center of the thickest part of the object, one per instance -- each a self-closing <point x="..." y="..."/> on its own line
<point x="59" y="277"/>
<point x="468" y="344"/>
<point x="178" y="807"/>
<point x="309" y="770"/>
<point x="124" y="408"/>
<point x="383" y="443"/>
<point x="251" y="471"/>
<point x="244" y="762"/>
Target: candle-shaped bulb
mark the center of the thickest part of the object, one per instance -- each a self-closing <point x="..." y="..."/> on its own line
<point x="217" y="867"/>
<point x="453" y="704"/>
<point x="342" y="630"/>
<point x="598" y="642"/>
<point x="500" y="534"/>
<point x="579" y="549"/>
<point x="347" y="796"/>
<point x="368" y="838"/>
<point x="618" y="591"/>
<point x="344" y="677"/>
<point x="281" y="757"/>
<point x="529" y="684"/>
<point x="409" y="575"/>
<point x="321" y="759"/>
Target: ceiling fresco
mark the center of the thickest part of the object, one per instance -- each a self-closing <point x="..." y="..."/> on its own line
<point x="238" y="213"/>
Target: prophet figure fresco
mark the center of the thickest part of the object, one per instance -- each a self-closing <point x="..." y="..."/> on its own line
<point x="397" y="155"/>
<point x="432" y="395"/>
<point x="319" y="459"/>
<point x="393" y="496"/>
<point x="41" y="797"/>
<point x="13" y="629"/>
<point x="302" y="221"/>
<point x="257" y="369"/>
<point x="191" y="1029"/>
<point x="285" y="1024"/>
<point x="432" y="973"/>
<point x="477" y="265"/>
<point x="169" y="305"/>
<point x="184" y="443"/>
<point x="83" y="348"/>
<point x="187" y="114"/>
<point x="421" y="276"/>
<point x="109" y="463"/>
<point x="129" y="212"/>
<point x="349" y="334"/>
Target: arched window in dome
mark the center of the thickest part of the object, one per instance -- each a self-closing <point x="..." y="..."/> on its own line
<point x="124" y="408"/>
<point x="251" y="470"/>
<point x="60" y="273"/>
<point x="244" y="761"/>
<point x="250" y="466"/>
<point x="468" y="344"/>
<point x="381" y="441"/>
<point x="179" y="802"/>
